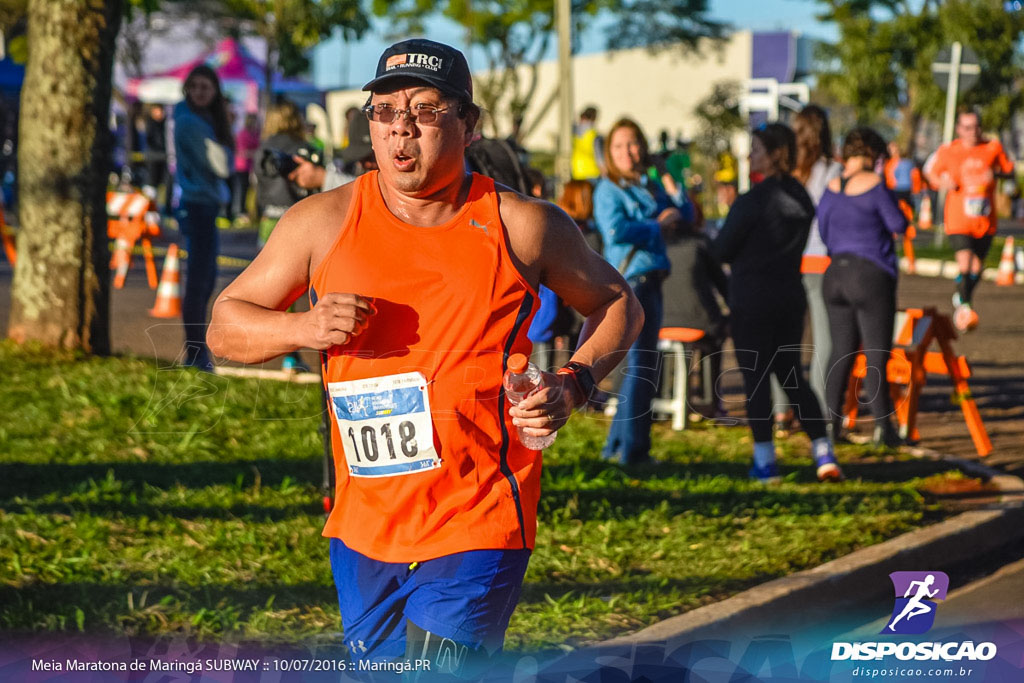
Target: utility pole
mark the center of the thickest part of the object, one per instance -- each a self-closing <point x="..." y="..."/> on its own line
<point x="563" y="160"/>
<point x="952" y="86"/>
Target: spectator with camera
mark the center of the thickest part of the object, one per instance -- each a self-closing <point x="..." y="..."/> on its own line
<point x="283" y="137"/>
<point x="283" y="143"/>
<point x="350" y="162"/>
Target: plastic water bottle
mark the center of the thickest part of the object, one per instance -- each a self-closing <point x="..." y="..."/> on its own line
<point x="522" y="379"/>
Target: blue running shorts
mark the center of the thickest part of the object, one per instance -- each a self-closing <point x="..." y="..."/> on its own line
<point x="466" y="597"/>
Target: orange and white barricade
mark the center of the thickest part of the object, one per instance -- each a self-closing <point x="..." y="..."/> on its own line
<point x="132" y="217"/>
<point x="909" y="366"/>
<point x="908" y="236"/>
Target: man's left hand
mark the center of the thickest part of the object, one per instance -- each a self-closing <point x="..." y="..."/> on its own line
<point x="549" y="408"/>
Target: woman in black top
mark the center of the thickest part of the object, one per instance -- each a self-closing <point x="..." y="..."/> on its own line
<point x="763" y="238"/>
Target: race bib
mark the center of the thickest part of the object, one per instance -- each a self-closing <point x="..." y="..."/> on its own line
<point x="385" y="425"/>
<point x="976" y="202"/>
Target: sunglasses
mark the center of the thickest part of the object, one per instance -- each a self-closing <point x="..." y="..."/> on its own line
<point x="424" y="114"/>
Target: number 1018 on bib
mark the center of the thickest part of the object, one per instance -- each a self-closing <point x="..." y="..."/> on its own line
<point x="385" y="425"/>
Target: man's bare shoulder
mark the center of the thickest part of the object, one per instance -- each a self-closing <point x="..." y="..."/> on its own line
<point x="519" y="211"/>
<point x="324" y="205"/>
<point x="307" y="230"/>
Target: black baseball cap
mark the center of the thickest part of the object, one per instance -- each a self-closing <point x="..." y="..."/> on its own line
<point x="437" y="64"/>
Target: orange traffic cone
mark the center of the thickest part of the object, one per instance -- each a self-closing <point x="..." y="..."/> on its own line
<point x="8" y="240"/>
<point x="120" y="261"/>
<point x="168" y="294"/>
<point x="924" y="218"/>
<point x="1004" y="278"/>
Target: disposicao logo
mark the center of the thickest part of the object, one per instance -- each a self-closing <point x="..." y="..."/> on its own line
<point x="914" y="611"/>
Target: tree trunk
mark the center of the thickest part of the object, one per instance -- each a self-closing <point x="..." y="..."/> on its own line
<point x="61" y="290"/>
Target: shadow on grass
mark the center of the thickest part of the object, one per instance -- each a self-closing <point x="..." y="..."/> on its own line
<point x="121" y="510"/>
<point x="591" y="488"/>
<point x="105" y="605"/>
<point x="27" y="480"/>
<point x="618" y="504"/>
<point x="866" y="467"/>
<point x="539" y="591"/>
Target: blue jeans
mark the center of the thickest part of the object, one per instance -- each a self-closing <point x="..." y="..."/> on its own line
<point x="629" y="439"/>
<point x="198" y="224"/>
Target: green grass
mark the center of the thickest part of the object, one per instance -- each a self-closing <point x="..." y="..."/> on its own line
<point x="145" y="500"/>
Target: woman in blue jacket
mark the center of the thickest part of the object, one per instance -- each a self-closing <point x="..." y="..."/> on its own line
<point x="204" y="145"/>
<point x="632" y="212"/>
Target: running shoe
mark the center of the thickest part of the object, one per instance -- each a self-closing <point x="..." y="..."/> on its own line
<point x="956" y="300"/>
<point x="965" y="318"/>
<point x="769" y="474"/>
<point x="828" y="468"/>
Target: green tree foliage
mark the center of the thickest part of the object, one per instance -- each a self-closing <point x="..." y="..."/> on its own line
<point x="719" y="116"/>
<point x="292" y="27"/>
<point x="516" y="34"/>
<point x="881" y="63"/>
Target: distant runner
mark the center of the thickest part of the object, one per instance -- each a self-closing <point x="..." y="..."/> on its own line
<point x="967" y="169"/>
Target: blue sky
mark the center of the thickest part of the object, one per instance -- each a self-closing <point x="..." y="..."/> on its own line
<point x="336" y="64"/>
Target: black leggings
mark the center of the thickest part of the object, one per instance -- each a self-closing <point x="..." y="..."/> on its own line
<point x="861" y="302"/>
<point x="768" y="341"/>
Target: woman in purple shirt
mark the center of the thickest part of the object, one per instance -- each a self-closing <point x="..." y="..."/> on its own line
<point x="857" y="217"/>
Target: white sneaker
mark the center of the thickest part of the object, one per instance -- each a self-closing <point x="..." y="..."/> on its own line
<point x="964" y="318"/>
<point x="956" y="300"/>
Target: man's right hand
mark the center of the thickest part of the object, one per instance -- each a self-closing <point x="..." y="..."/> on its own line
<point x="947" y="184"/>
<point x="335" y="320"/>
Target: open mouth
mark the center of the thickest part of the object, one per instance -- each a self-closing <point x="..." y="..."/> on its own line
<point x="403" y="161"/>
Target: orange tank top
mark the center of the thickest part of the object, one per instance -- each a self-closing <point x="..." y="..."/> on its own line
<point x="451" y="307"/>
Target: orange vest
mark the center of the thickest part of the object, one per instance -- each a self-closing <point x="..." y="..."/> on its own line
<point x="451" y="306"/>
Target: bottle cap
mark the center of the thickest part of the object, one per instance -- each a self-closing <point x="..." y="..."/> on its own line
<point x="517" y="362"/>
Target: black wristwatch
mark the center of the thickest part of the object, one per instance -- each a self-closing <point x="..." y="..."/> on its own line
<point x="584" y="380"/>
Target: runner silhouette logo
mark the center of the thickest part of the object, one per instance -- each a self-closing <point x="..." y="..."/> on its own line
<point x="914" y="611"/>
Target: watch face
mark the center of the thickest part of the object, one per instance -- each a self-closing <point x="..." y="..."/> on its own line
<point x="584" y="379"/>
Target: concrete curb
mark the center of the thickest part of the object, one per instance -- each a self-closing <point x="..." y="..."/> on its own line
<point x="861" y="575"/>
<point x="277" y="375"/>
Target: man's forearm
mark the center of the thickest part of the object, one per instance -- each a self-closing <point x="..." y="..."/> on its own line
<point x="607" y="334"/>
<point x="248" y="333"/>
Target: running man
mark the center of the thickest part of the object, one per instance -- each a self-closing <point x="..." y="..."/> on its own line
<point x="967" y="169"/>
<point x="915" y="607"/>
<point x="423" y="280"/>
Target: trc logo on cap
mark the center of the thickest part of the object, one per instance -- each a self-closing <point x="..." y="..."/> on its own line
<point x="914" y="610"/>
<point x="432" y="62"/>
